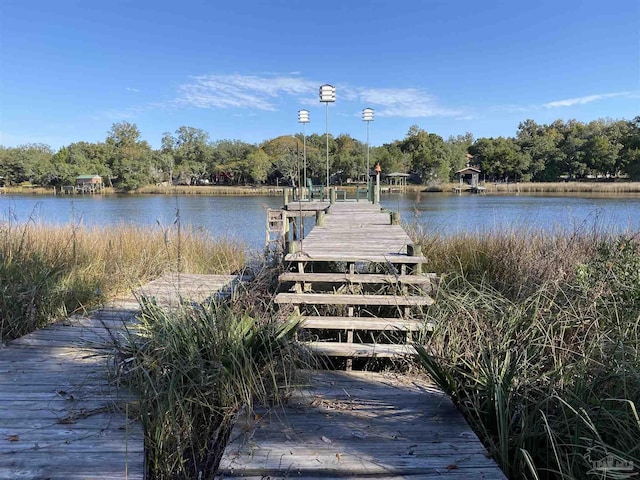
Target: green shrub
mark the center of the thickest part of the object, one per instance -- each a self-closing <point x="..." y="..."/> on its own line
<point x="193" y="369"/>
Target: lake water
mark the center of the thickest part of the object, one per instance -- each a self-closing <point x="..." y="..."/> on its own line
<point x="244" y="218"/>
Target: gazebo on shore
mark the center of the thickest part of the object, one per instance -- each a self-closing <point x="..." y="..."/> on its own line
<point x="396" y="181"/>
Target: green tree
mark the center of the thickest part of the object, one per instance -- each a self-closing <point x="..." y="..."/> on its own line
<point x="391" y="158"/>
<point x="500" y="158"/>
<point x="427" y="153"/>
<point x="259" y="165"/>
<point x="232" y="157"/>
<point x="129" y="157"/>
<point x="630" y="153"/>
<point x="285" y="153"/>
<point x="349" y="162"/>
<point x="192" y="153"/>
<point x="456" y="155"/>
<point x="25" y="163"/>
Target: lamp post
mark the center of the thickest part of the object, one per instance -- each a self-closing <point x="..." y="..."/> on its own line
<point x="367" y="116"/>
<point x="303" y="118"/>
<point x="327" y="95"/>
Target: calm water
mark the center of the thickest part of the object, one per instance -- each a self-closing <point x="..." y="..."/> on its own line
<point x="244" y="218"/>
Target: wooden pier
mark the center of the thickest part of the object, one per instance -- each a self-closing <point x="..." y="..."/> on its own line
<point x="62" y="416"/>
<point x="356" y="282"/>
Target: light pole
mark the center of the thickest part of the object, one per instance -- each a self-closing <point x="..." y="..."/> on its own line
<point x="327" y="95"/>
<point x="303" y="118"/>
<point x="367" y="116"/>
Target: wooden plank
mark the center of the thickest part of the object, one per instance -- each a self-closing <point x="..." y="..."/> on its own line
<point x="60" y="417"/>
<point x="364" y="323"/>
<point x="353" y="256"/>
<point x="365" y="278"/>
<point x="358" y="425"/>
<point x="380" y="350"/>
<point x="339" y="299"/>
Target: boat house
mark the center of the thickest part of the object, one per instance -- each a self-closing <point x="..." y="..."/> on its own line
<point x="469" y="180"/>
<point x="85" y="184"/>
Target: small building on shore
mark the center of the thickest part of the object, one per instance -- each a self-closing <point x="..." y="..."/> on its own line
<point x="85" y="184"/>
<point x="469" y="180"/>
<point x="396" y="181"/>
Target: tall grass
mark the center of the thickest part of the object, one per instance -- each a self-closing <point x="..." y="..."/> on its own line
<point x="565" y="187"/>
<point x="537" y="339"/>
<point x="210" y="190"/>
<point x="194" y="368"/>
<point x="47" y="272"/>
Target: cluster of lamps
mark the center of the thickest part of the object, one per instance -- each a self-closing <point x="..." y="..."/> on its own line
<point x="327" y="96"/>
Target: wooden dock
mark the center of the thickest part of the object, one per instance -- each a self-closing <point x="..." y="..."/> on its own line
<point x="61" y="415"/>
<point x="377" y="294"/>
<point x="357" y="283"/>
<point x="358" y="425"/>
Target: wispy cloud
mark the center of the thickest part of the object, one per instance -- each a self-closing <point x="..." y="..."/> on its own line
<point x="584" y="100"/>
<point x="264" y="92"/>
<point x="241" y="91"/>
<point x="404" y="102"/>
<point x="133" y="90"/>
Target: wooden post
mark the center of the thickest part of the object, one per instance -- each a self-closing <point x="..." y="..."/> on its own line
<point x="332" y="195"/>
<point x="285" y="196"/>
<point x="414" y="250"/>
<point x="320" y="218"/>
<point x="294" y="247"/>
<point x="395" y="218"/>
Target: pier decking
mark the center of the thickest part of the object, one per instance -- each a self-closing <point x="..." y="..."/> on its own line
<point x="356" y="282"/>
<point x="61" y="416"/>
<point x="358" y="425"/>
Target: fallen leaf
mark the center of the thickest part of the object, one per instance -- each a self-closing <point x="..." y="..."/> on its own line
<point x="257" y="416"/>
<point x="13" y="438"/>
<point x="338" y="456"/>
<point x="452" y="467"/>
<point x="325" y="439"/>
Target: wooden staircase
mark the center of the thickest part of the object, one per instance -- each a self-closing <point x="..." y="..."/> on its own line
<point x="356" y="314"/>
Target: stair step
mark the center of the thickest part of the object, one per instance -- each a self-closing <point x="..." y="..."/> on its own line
<point x="364" y="323"/>
<point x="340" y="299"/>
<point x="361" y="278"/>
<point x="390" y="258"/>
<point x="338" y="349"/>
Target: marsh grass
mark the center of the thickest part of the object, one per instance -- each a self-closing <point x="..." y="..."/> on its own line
<point x="537" y="339"/>
<point x="210" y="190"/>
<point x="47" y="272"/>
<point x="195" y="367"/>
<point x="565" y="187"/>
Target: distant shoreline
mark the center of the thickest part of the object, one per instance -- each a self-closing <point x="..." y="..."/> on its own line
<point x="516" y="187"/>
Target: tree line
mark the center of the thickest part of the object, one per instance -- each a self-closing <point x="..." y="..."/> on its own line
<point x="561" y="150"/>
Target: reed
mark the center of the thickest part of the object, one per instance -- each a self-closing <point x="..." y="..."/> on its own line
<point x="47" y="272"/>
<point x="566" y="187"/>
<point x="542" y="352"/>
<point x="209" y="190"/>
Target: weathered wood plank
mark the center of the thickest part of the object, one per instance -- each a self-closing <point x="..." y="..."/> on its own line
<point x="60" y="417"/>
<point x="387" y="258"/>
<point x="340" y="299"/>
<point x="407" y="429"/>
<point x="356" y="350"/>
<point x="364" y="323"/>
<point x="360" y="278"/>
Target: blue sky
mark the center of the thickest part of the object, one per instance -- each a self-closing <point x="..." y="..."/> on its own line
<point x="242" y="69"/>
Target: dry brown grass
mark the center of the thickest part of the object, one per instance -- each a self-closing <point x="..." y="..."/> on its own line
<point x="210" y="190"/>
<point x="49" y="271"/>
